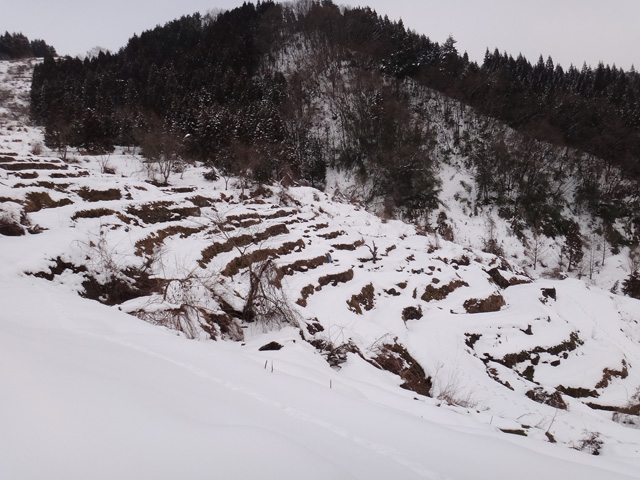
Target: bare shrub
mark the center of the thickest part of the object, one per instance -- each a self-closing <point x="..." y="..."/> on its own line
<point x="451" y="391"/>
<point x="335" y="353"/>
<point x="37" y="148"/>
<point x="590" y="443"/>
<point x="266" y="302"/>
<point x="187" y="303"/>
<point x="110" y="277"/>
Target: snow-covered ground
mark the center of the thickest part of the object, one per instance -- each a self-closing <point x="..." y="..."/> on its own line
<point x="89" y="391"/>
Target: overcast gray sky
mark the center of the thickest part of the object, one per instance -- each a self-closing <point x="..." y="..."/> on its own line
<point x="570" y="31"/>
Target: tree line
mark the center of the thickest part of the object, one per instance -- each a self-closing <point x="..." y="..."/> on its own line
<point x="15" y="46"/>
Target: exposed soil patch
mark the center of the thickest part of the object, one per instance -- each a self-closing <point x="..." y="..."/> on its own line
<point x="305" y="293"/>
<point x="271" y="346"/>
<point x="577" y="392"/>
<point x="435" y="293"/>
<point x="348" y="246"/>
<point x="396" y="359"/>
<point x="412" y="313"/>
<point x="336" y="278"/>
<point x="365" y="299"/>
<point x="608" y="374"/>
<point x="492" y="303"/>
<point x="332" y="235"/>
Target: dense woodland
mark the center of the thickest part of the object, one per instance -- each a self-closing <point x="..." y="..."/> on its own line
<point x="274" y="92"/>
<point x="14" y="46"/>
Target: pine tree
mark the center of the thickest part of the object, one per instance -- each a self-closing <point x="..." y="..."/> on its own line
<point x="573" y="245"/>
<point x="631" y="285"/>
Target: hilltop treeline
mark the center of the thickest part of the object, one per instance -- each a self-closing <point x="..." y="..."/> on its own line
<point x="275" y="91"/>
<point x="15" y="46"/>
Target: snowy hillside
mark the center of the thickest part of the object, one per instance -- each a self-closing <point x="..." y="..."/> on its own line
<point x="332" y="343"/>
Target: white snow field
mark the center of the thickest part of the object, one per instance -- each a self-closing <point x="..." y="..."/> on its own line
<point x="526" y="388"/>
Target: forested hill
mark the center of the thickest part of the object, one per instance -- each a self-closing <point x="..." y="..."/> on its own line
<point x="282" y="91"/>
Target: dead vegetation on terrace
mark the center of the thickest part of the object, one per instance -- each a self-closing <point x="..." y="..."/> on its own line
<point x="36" y="201"/>
<point x="304" y="265"/>
<point x="348" y="246"/>
<point x="148" y="245"/>
<point x="512" y="359"/>
<point x="162" y="211"/>
<point x="93" y="213"/>
<point x="91" y="195"/>
<point x="336" y="278"/>
<point x="280" y="214"/>
<point x="248" y="259"/>
<point x="240" y="241"/>
<point x="26" y="175"/>
<point x="493" y="303"/>
<point x="58" y="187"/>
<point x="17" y="167"/>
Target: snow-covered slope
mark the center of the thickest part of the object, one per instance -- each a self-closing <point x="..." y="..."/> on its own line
<point x="401" y="354"/>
